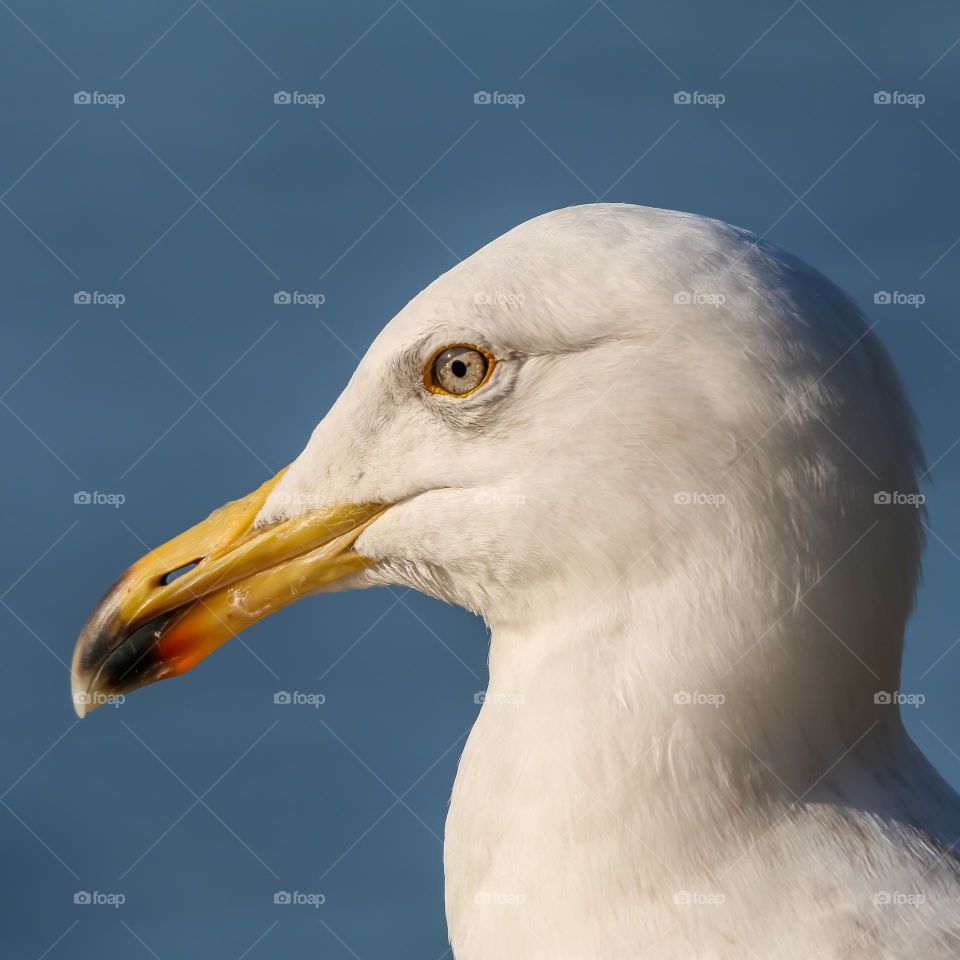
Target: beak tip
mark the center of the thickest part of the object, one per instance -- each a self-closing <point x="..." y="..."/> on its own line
<point x="80" y="696"/>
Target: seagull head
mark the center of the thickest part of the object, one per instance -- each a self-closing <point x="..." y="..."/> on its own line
<point x="610" y="415"/>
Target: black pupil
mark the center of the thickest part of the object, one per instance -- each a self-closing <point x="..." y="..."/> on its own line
<point x="458" y="368"/>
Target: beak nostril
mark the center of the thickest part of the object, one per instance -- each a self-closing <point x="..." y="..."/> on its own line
<point x="179" y="572"/>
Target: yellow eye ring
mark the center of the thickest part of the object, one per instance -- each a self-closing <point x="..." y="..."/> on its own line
<point x="458" y="370"/>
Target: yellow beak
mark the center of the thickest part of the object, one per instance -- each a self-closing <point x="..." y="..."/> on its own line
<point x="149" y="626"/>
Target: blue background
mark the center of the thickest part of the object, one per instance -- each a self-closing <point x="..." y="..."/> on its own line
<point x="198" y="199"/>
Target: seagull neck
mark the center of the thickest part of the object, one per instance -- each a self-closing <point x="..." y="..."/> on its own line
<point x="634" y="749"/>
<point x="656" y="696"/>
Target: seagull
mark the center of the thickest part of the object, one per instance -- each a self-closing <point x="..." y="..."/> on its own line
<point x="675" y="472"/>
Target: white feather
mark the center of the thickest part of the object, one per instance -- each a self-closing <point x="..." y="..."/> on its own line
<point x="664" y="505"/>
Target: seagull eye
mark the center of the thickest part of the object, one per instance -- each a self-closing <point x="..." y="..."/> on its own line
<point x="458" y="370"/>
